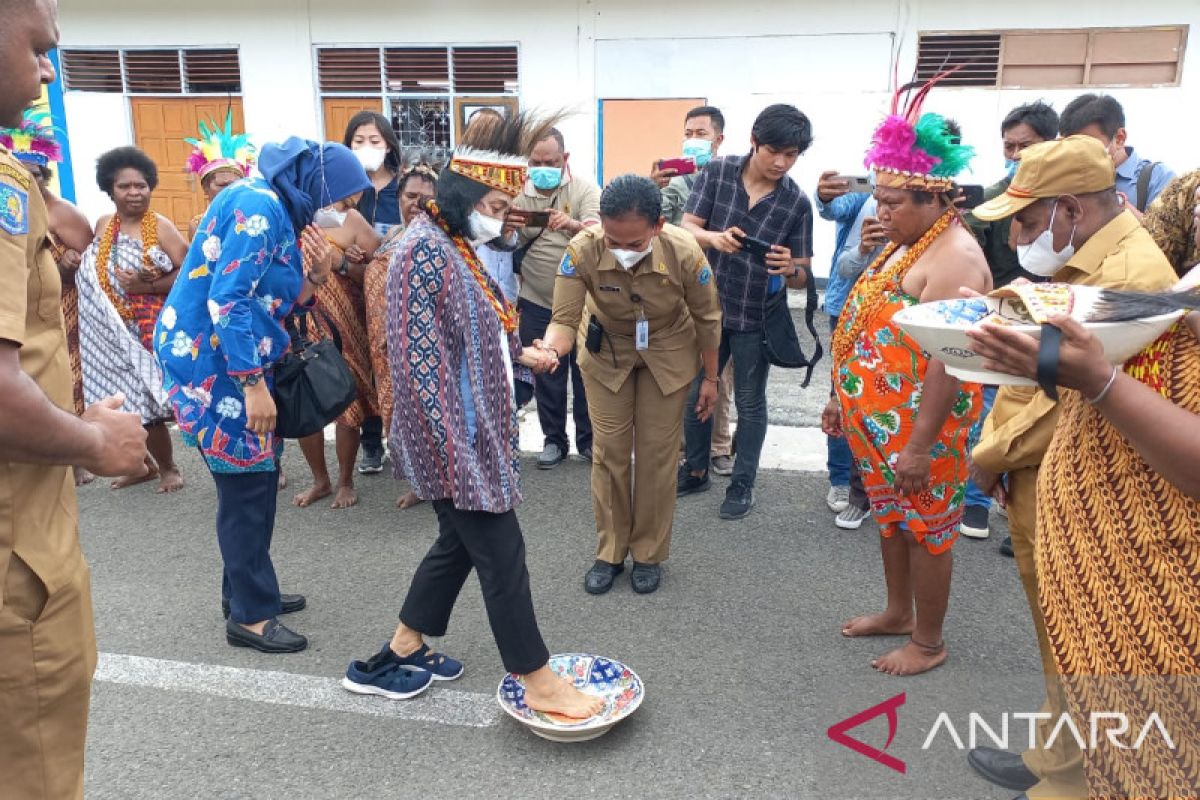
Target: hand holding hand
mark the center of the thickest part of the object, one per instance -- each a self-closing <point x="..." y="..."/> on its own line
<point x="121" y="439"/>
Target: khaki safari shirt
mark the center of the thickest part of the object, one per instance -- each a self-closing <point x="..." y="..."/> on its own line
<point x="37" y="501"/>
<point x="673" y="287"/>
<point x="579" y="199"/>
<point x="1121" y="255"/>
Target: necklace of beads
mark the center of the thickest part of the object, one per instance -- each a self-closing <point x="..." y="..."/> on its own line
<point x="104" y="255"/>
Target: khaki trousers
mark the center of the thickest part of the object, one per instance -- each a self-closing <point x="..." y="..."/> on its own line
<point x="47" y="657"/>
<point x="1060" y="767"/>
<point x="634" y="512"/>
<point x="722" y="433"/>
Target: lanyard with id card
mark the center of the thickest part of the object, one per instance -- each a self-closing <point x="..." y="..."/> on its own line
<point x="641" y="334"/>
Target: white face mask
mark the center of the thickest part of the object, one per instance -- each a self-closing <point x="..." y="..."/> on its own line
<point x="1040" y="257"/>
<point x="483" y="228"/>
<point x="370" y="157"/>
<point x="630" y="258"/>
<point x="329" y="217"/>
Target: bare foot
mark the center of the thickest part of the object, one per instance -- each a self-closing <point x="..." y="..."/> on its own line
<point x="83" y="477"/>
<point x="171" y="481"/>
<point x="551" y="694"/>
<point x="282" y="482"/>
<point x="345" y="497"/>
<point x="316" y="492"/>
<point x="133" y="480"/>
<point x="910" y="659"/>
<point x="409" y="500"/>
<point x="881" y="624"/>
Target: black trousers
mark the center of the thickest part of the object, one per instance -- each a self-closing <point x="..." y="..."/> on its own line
<point x="245" y="524"/>
<point x="551" y="389"/>
<point x="493" y="545"/>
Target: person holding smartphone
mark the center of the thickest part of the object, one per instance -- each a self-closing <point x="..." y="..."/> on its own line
<point x="737" y="200"/>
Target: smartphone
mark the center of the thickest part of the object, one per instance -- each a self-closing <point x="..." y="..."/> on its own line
<point x="857" y="183"/>
<point x="537" y="219"/>
<point x="682" y="166"/>
<point x="754" y="246"/>
<point x="972" y="194"/>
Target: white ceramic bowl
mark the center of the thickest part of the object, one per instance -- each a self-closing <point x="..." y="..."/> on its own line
<point x="620" y="687"/>
<point x="941" y="330"/>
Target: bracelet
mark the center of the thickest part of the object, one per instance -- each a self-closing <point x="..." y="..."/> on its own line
<point x="1108" y="386"/>
<point x="716" y="380"/>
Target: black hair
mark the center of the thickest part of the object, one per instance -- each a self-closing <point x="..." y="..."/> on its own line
<point x="422" y="172"/>
<point x="381" y="123"/>
<point x="632" y="193"/>
<point x="782" y="127"/>
<point x="1038" y="115"/>
<point x="1092" y="109"/>
<point x="112" y="162"/>
<point x="456" y="198"/>
<point x="712" y="112"/>
<point x="556" y="135"/>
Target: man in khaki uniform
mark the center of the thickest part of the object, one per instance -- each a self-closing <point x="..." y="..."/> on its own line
<point x="649" y="287"/>
<point x="1073" y="179"/>
<point x="47" y="645"/>
<point x="573" y="203"/>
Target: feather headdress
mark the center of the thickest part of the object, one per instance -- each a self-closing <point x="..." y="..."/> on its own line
<point x="494" y="152"/>
<point x="34" y="141"/>
<point x="916" y="151"/>
<point x="218" y="148"/>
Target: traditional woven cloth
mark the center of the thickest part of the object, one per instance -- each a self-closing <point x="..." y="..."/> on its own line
<point x="1118" y="564"/>
<point x="879" y="375"/>
<point x="70" y="309"/>
<point x="375" y="293"/>
<point x="113" y="357"/>
<point x="341" y="304"/>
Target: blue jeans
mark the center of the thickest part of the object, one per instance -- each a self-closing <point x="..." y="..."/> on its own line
<point x="839" y="457"/>
<point x="975" y="496"/>
<point x="750" y="368"/>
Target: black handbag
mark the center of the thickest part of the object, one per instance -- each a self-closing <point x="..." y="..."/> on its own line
<point x="781" y="344"/>
<point x="313" y="383"/>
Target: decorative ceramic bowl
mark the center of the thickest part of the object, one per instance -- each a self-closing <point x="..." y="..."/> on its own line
<point x="941" y="330"/>
<point x="620" y="687"/>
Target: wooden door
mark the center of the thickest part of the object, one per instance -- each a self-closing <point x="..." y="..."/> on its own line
<point x="160" y="125"/>
<point x="636" y="133"/>
<point x="337" y="112"/>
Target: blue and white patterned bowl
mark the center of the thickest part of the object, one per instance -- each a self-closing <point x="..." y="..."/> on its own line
<point x="941" y="329"/>
<point x="608" y="678"/>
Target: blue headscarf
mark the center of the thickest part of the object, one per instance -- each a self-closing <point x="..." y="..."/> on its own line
<point x="309" y="176"/>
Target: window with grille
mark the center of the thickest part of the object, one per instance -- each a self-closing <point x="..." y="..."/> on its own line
<point x="163" y="71"/>
<point x="1046" y="59"/>
<point x="417" y="70"/>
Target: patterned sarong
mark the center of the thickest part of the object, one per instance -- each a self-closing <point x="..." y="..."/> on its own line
<point x="340" y="302"/>
<point x="1118" y="564"/>
<point x="878" y="375"/>
<point x="113" y="358"/>
<point x="375" y="293"/>
<point x="70" y="309"/>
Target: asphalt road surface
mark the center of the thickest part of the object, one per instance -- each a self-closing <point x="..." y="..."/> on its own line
<point x="740" y="651"/>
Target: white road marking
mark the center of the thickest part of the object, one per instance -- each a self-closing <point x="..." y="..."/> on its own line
<point x="439" y="705"/>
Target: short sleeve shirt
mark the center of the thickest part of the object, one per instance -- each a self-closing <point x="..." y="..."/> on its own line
<point x="37" y="501"/>
<point x="782" y="217"/>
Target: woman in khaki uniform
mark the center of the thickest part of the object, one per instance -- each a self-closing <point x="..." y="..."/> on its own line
<point x="638" y="298"/>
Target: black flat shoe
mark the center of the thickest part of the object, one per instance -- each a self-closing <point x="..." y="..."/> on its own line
<point x="1002" y="768"/>
<point x="645" y="577"/>
<point x="291" y="603"/>
<point x="1006" y="547"/>
<point x="275" y="638"/>
<point x="599" y="579"/>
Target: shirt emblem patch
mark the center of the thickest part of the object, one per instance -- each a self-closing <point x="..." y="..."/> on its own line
<point x="705" y="276"/>
<point x="567" y="267"/>
<point x="14" y="210"/>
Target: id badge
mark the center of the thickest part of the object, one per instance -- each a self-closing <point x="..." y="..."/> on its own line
<point x="641" y="337"/>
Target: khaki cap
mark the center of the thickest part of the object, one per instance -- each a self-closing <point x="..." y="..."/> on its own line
<point x="1074" y="165"/>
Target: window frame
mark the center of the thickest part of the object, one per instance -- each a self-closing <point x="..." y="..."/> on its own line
<point x="183" y="75"/>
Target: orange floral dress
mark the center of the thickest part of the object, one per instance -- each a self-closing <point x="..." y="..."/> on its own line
<point x="878" y="377"/>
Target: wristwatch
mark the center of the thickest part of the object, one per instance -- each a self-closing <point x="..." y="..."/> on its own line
<point x="249" y="380"/>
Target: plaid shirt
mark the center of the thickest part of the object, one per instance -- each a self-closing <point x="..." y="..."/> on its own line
<point x="784" y="216"/>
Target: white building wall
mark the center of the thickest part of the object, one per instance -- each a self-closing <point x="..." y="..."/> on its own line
<point x="829" y="58"/>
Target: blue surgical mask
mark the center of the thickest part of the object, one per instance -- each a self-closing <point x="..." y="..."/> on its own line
<point x="1010" y="167"/>
<point x="545" y="178"/>
<point x="699" y="150"/>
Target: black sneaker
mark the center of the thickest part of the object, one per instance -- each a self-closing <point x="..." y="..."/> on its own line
<point x="687" y="483"/>
<point x="372" y="460"/>
<point x="739" y="499"/>
<point x="975" y="522"/>
<point x="551" y="456"/>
